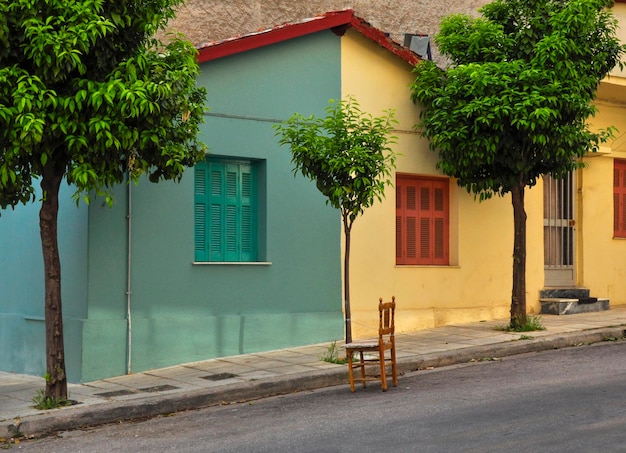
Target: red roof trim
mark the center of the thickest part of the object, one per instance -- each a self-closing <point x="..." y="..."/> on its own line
<point x="338" y="21"/>
<point x="384" y="40"/>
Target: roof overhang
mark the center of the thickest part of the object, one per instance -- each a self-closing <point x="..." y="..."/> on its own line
<point x="336" y="21"/>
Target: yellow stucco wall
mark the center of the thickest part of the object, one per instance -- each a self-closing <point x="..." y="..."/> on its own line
<point x="477" y="284"/>
<point x="603" y="256"/>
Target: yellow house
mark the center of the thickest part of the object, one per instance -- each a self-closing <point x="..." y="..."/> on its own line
<point x="601" y="191"/>
<point x="460" y="264"/>
<point x="475" y="281"/>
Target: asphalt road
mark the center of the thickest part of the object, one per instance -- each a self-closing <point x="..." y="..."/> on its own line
<point x="569" y="400"/>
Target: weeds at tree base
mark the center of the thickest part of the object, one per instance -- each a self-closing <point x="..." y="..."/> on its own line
<point x="43" y="402"/>
<point x="16" y="435"/>
<point x="9" y="442"/>
<point x="485" y="359"/>
<point x="616" y="338"/>
<point x="5" y="444"/>
<point x="532" y="323"/>
<point x="332" y="355"/>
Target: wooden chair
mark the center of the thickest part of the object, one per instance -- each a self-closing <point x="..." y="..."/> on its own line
<point x="374" y="353"/>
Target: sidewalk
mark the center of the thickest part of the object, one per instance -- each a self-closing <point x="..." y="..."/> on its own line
<point x="252" y="376"/>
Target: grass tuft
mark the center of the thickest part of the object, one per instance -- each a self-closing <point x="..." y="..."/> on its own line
<point x="43" y="402"/>
<point x="332" y="355"/>
<point x="532" y="324"/>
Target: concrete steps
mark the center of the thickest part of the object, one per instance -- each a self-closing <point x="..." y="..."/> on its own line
<point x="569" y="301"/>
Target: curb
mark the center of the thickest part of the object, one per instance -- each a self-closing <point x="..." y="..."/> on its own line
<point x="514" y="347"/>
<point x="77" y="417"/>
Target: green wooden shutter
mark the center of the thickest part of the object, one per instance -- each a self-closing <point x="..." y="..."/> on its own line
<point x="231" y="211"/>
<point x="217" y="211"/>
<point x="201" y="211"/>
<point x="225" y="211"/>
<point x="248" y="224"/>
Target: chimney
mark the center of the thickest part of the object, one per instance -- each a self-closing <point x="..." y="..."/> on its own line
<point x="420" y="44"/>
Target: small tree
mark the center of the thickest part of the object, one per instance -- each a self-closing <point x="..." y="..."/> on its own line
<point x="514" y="102"/>
<point x="347" y="154"/>
<point x="87" y="96"/>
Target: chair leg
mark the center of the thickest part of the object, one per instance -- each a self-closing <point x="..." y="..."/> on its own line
<point x="350" y="370"/>
<point x="383" y="376"/>
<point x="394" y="367"/>
<point x="362" y="369"/>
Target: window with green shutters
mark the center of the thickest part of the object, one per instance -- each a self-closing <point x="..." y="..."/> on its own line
<point x="225" y="211"/>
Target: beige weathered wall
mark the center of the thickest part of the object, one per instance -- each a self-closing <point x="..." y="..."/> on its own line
<point x="209" y="20"/>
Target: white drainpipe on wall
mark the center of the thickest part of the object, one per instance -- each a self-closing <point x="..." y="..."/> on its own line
<point x="129" y="335"/>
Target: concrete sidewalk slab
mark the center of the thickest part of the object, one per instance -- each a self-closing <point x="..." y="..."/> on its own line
<point x="252" y="376"/>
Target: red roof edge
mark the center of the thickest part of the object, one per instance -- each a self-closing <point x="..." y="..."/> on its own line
<point x="274" y="35"/>
<point x="384" y="40"/>
<point x="338" y="21"/>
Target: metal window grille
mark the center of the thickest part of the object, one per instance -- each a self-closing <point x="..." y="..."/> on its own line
<point x="559" y="224"/>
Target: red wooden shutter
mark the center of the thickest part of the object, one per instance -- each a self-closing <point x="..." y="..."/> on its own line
<point x="440" y="223"/>
<point x="425" y="232"/>
<point x="399" y="221"/>
<point x="422" y="225"/>
<point x="619" y="198"/>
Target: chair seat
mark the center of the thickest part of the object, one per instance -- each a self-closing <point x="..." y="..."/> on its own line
<point x="364" y="345"/>
<point x="368" y="345"/>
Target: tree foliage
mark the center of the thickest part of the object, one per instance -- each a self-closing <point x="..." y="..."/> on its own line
<point x="83" y="85"/>
<point x="514" y="101"/>
<point x="348" y="156"/>
<point x="87" y="95"/>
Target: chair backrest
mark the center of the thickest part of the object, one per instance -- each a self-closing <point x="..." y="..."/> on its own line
<point x="386" y="315"/>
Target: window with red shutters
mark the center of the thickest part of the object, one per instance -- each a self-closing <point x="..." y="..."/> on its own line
<point x="619" y="198"/>
<point x="422" y="220"/>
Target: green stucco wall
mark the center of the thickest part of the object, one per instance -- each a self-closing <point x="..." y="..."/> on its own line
<point x="183" y="312"/>
<point x="22" y="329"/>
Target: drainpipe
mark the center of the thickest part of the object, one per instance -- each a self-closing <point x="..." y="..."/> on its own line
<point x="129" y="334"/>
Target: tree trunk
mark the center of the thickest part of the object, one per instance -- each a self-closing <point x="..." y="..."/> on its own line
<point x="518" y="297"/>
<point x="56" y="381"/>
<point x="347" y="227"/>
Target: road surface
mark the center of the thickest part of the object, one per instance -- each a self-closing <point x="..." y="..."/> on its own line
<point x="569" y="400"/>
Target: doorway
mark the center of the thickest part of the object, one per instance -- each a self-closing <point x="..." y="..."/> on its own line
<point x="559" y="230"/>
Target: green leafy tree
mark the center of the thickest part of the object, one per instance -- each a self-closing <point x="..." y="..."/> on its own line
<point x="348" y="156"/>
<point x="513" y="103"/>
<point x="87" y="95"/>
